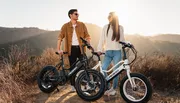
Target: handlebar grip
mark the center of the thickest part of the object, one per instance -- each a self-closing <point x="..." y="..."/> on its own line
<point x="126" y="44"/>
<point x="81" y="38"/>
<point x="122" y="42"/>
<point x="89" y="46"/>
<point x="57" y="53"/>
<point x="63" y="53"/>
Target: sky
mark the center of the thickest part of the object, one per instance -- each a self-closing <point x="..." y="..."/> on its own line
<point x="144" y="17"/>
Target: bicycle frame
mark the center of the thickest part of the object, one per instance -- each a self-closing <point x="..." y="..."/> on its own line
<point x="123" y="66"/>
<point x="72" y="72"/>
<point x="79" y="64"/>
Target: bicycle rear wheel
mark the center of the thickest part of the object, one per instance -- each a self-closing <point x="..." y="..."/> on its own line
<point x="43" y="81"/>
<point x="92" y="90"/>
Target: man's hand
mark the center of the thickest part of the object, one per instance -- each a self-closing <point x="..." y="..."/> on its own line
<point x="58" y="47"/>
<point x="88" y="40"/>
<point x="60" y="52"/>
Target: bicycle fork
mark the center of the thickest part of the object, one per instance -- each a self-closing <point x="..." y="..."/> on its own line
<point x="132" y="82"/>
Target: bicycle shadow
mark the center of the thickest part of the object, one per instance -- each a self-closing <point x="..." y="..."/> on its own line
<point x="42" y="97"/>
<point x="112" y="99"/>
<point x="104" y="99"/>
<point x="70" y="97"/>
<point x="62" y="97"/>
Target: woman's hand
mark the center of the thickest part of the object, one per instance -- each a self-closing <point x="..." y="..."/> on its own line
<point x="99" y="53"/>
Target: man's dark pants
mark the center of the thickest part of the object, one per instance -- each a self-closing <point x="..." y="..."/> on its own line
<point x="75" y="54"/>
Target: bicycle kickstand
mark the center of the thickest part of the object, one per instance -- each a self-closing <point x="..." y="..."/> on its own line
<point x="57" y="89"/>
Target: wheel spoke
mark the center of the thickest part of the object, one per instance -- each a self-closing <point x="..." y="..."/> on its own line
<point x="91" y="88"/>
<point x="131" y="97"/>
<point x="45" y="79"/>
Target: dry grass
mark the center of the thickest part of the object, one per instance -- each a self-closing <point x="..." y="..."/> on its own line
<point x="10" y="89"/>
<point x="18" y="71"/>
<point x="163" y="70"/>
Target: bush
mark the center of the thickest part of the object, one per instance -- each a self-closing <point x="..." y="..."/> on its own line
<point x="18" y="71"/>
<point x="163" y="70"/>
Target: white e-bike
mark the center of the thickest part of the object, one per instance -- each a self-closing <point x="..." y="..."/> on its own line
<point x="134" y="87"/>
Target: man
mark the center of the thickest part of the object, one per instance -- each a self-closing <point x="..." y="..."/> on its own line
<point x="71" y="33"/>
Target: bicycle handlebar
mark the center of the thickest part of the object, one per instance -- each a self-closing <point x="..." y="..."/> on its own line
<point x="87" y="44"/>
<point x="131" y="46"/>
<point x="96" y="53"/>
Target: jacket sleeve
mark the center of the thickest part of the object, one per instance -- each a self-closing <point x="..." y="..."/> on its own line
<point x="62" y="33"/>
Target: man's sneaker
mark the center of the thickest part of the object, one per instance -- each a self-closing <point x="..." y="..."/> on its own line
<point x="73" y="89"/>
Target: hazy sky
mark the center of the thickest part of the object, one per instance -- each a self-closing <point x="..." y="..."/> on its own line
<point x="137" y="16"/>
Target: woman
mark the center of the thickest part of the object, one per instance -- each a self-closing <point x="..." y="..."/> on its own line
<point x="109" y="42"/>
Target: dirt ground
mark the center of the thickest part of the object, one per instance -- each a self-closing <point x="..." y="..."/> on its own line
<point x="65" y="96"/>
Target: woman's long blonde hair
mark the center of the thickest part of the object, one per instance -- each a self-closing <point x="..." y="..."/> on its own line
<point x="115" y="26"/>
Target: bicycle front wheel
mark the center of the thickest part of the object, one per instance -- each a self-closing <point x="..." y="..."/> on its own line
<point x="142" y="91"/>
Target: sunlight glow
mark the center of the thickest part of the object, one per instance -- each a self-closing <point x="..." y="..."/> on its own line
<point x="143" y="17"/>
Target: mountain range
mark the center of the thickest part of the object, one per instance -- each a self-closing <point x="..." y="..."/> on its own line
<point x="39" y="39"/>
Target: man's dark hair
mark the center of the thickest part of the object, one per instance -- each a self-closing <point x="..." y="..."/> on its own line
<point x="71" y="12"/>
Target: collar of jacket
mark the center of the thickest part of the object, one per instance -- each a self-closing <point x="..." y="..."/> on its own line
<point x="70" y="24"/>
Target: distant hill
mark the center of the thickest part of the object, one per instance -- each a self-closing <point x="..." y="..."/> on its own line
<point x="167" y="37"/>
<point x="46" y="39"/>
<point x="15" y="34"/>
<point x="41" y="39"/>
<point x="147" y="45"/>
<point x="37" y="43"/>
